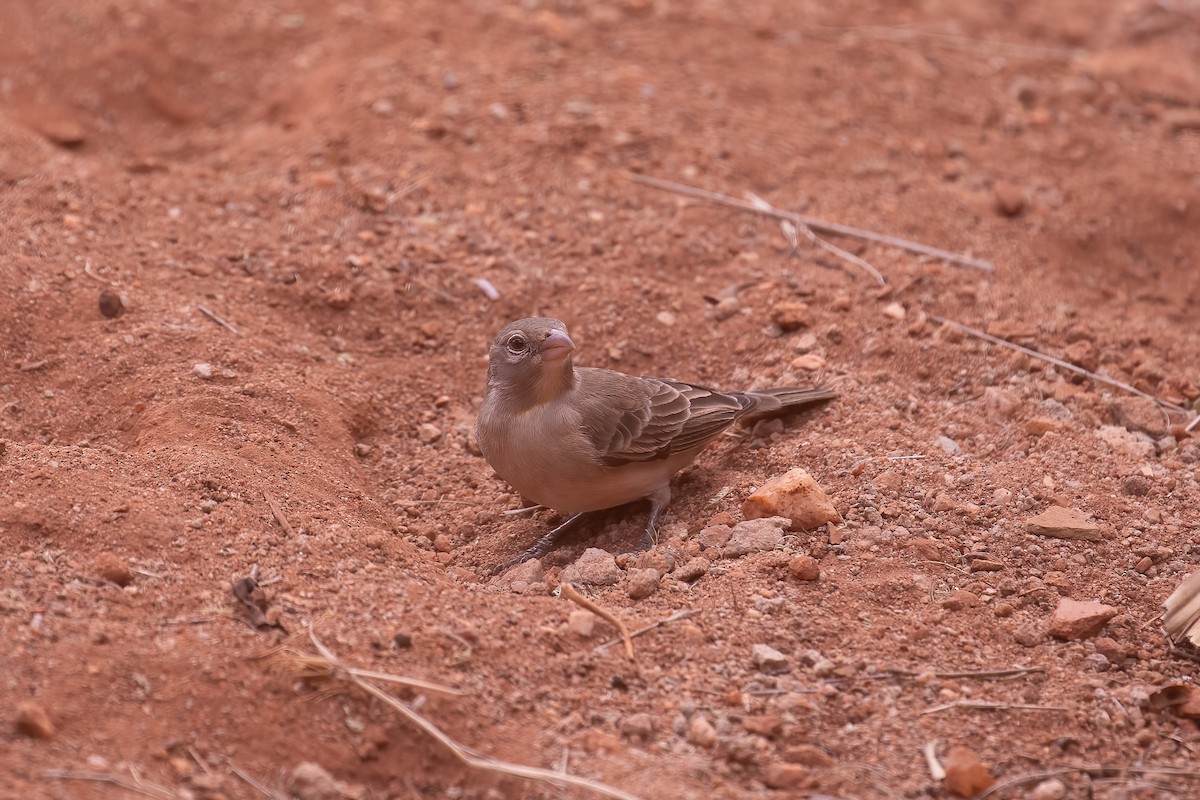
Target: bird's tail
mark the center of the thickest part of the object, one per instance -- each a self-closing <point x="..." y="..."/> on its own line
<point x="777" y="402"/>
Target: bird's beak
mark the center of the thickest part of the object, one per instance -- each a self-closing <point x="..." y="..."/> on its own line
<point x="557" y="346"/>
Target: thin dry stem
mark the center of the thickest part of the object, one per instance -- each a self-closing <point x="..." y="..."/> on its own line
<point x="989" y="705"/>
<point x="216" y="319"/>
<point x="813" y="223"/>
<point x="1058" y="362"/>
<point x="277" y="513"/>
<point x="936" y="770"/>
<point x="677" y="616"/>
<point x="569" y="592"/>
<point x="464" y="754"/>
<point x="138" y="785"/>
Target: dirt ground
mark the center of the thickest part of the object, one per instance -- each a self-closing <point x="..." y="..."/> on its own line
<point x="330" y="180"/>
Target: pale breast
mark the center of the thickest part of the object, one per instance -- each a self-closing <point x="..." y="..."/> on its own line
<point x="545" y="456"/>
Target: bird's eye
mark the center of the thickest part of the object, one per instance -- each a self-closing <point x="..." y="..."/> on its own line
<point x="517" y="344"/>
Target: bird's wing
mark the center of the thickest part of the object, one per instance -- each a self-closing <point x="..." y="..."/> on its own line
<point x="642" y="419"/>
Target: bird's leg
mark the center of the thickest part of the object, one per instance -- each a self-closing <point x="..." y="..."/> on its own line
<point x="659" y="499"/>
<point x="543" y="545"/>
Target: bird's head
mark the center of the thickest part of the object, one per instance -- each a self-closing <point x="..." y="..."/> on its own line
<point x="530" y="361"/>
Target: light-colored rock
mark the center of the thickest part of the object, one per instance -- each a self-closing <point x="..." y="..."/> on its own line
<point x="32" y="720"/>
<point x="794" y="495"/>
<point x="1140" y="414"/>
<point x="1074" y="619"/>
<point x="781" y="775"/>
<point x="714" y="536"/>
<point x="642" y="583"/>
<point x="1051" y="789"/>
<point x="203" y="371"/>
<point x="888" y="481"/>
<point x="769" y="660"/>
<point x="1001" y="404"/>
<point x="113" y="569"/>
<point x="530" y="571"/>
<point x="804" y="568"/>
<point x="428" y="433"/>
<point x="595" y="567"/>
<point x="1125" y="443"/>
<point x="701" y="732"/>
<point x="809" y="755"/>
<point x="966" y="774"/>
<point x="1009" y="198"/>
<point x="582" y="622"/>
<point x="894" y="310"/>
<point x="755" y="536"/>
<point x="693" y="570"/>
<point x="790" y="316"/>
<point x="311" y="781"/>
<point x="1064" y="523"/>
<point x="809" y="362"/>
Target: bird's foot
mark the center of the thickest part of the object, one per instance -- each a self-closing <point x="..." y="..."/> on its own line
<point x="542" y="546"/>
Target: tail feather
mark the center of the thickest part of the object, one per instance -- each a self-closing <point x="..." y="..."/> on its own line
<point x="783" y="400"/>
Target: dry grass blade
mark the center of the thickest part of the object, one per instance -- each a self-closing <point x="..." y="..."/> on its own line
<point x="309" y="667"/>
<point x="791" y="230"/>
<point x="139" y="786"/>
<point x="569" y="592"/>
<point x="813" y="223"/>
<point x="676" y="617"/>
<point x="217" y="319"/>
<point x="254" y="782"/>
<point x="464" y="754"/>
<point x="990" y="705"/>
<point x="936" y="771"/>
<point x="1058" y="362"/>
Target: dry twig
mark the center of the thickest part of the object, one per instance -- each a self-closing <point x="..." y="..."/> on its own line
<point x="277" y="513"/>
<point x="990" y="705"/>
<point x="132" y="784"/>
<point x="1058" y="362"/>
<point x="257" y="784"/>
<point x="302" y="665"/>
<point x="468" y="757"/>
<point x="936" y="771"/>
<point x="216" y="319"/>
<point x="676" y="617"/>
<point x="791" y="229"/>
<point x="813" y="223"/>
<point x="569" y="592"/>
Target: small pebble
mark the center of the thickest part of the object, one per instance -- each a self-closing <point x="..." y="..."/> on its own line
<point x="209" y="506"/>
<point x="894" y="310"/>
<point x="1010" y="199"/>
<point x="804" y="568"/>
<point x="780" y="775"/>
<point x="1052" y="789"/>
<point x="428" y="433"/>
<point x="692" y="571"/>
<point x="33" y="721"/>
<point x="701" y="732"/>
<point x="769" y="660"/>
<point x="642" y="583"/>
<point x="110" y="304"/>
<point x="666" y="318"/>
<point x="582" y="622"/>
<point x="113" y="569"/>
<point x="595" y="567"/>
<point x="203" y="370"/>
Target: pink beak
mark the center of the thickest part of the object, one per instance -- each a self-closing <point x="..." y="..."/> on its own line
<point x="557" y="346"/>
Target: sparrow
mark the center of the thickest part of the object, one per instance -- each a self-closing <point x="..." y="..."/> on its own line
<point x="580" y="439"/>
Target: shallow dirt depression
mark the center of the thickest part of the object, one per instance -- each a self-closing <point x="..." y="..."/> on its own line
<point x="293" y="203"/>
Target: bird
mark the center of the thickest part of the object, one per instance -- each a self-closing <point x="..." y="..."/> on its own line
<point x="581" y="439"/>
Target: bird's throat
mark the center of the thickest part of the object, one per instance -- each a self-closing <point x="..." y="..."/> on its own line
<point x="554" y="380"/>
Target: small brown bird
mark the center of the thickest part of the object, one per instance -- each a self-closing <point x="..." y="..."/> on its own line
<point x="579" y="439"/>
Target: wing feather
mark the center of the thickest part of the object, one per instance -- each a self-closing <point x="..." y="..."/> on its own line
<point x="644" y="419"/>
